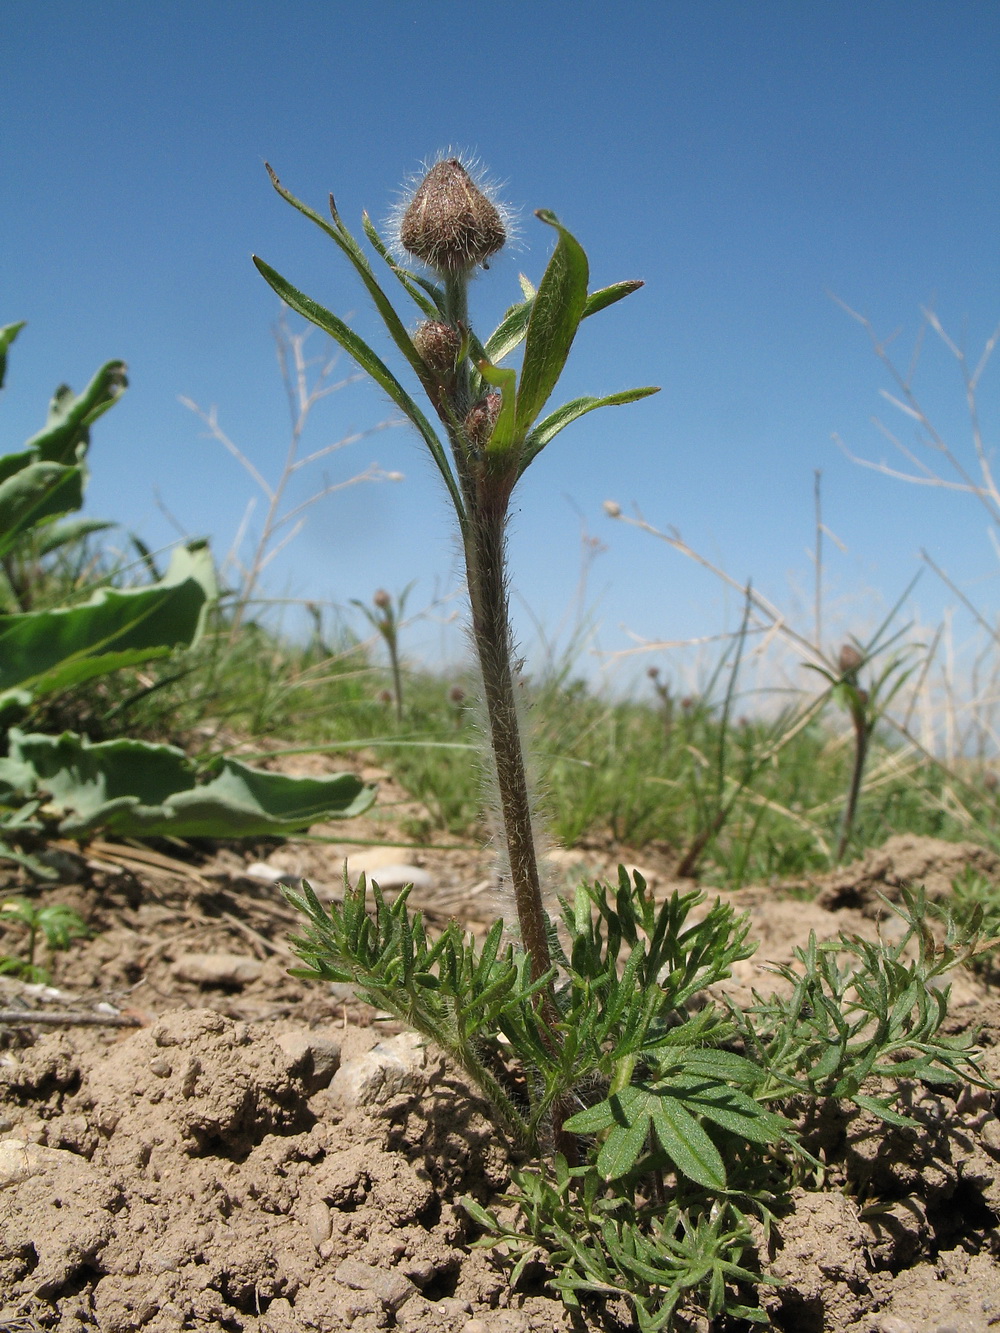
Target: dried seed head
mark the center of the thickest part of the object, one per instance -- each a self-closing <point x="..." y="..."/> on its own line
<point x="439" y="345"/>
<point x="481" y="419"/>
<point x="382" y="600"/>
<point x="450" y="224"/>
<point x="850" y="659"/>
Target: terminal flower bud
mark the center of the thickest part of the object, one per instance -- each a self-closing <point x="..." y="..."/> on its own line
<point x="450" y="224"/>
<point x="850" y="659"/>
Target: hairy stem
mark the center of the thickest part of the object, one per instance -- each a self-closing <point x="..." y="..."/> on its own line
<point x="861" y="734"/>
<point x="485" y="555"/>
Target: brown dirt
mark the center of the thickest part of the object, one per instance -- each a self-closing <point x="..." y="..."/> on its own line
<point x="268" y="1156"/>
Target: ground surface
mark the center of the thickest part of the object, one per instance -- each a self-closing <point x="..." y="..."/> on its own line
<point x="265" y="1155"/>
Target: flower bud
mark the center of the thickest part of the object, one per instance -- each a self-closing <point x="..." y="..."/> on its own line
<point x="439" y="345"/>
<point x="382" y="600"/>
<point x="850" y="659"/>
<point x="450" y="225"/>
<point x="481" y="419"/>
<point x="612" y="508"/>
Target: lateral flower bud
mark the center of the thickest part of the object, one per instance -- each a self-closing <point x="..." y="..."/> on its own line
<point x="481" y="419"/>
<point x="439" y="345"/>
<point x="450" y="225"/>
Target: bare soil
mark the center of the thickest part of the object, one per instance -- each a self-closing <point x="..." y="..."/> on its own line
<point x="267" y="1155"/>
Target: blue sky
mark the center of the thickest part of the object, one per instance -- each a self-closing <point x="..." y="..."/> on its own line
<point x="744" y="159"/>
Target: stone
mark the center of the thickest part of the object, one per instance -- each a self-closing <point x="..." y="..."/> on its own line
<point x="392" y="878"/>
<point x="392" y="1068"/>
<point x="267" y="874"/>
<point x="313" y="1057"/>
<point x="391" y="1287"/>
<point x="319" y="1222"/>
<point x="229" y="970"/>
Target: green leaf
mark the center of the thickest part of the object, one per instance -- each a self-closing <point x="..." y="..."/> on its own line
<point x="369" y="362"/>
<point x="510" y="332"/>
<point x="47" y="651"/>
<point x="7" y="335"/>
<point x="687" y="1144"/>
<point x="621" y="1149"/>
<point x="136" y="789"/>
<point x="65" y="534"/>
<point x="884" y="1111"/>
<point x="428" y="297"/>
<point x="70" y="416"/>
<point x="605" y="296"/>
<point x="558" y="420"/>
<point x="36" y="491"/>
<point x="555" y="316"/>
<point x="504" y="431"/>
<point x="339" y="234"/>
<point x="592" y="1120"/>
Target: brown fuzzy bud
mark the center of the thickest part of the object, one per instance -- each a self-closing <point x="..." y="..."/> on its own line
<point x="850" y="659"/>
<point x="450" y="225"/>
<point x="439" y="345"/>
<point x="382" y="600"/>
<point x="456" y="695"/>
<point x="482" y="418"/>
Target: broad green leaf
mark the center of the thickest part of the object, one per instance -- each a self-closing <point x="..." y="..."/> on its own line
<point x="550" y="426"/>
<point x="7" y="335"/>
<point x="555" y="316"/>
<point x="687" y="1144"/>
<point x="47" y="651"/>
<point x="734" y="1111"/>
<point x="71" y="415"/>
<point x="39" y="490"/>
<point x="592" y="1120"/>
<point x="622" y="1148"/>
<point x="135" y="789"/>
<point x="369" y="362"/>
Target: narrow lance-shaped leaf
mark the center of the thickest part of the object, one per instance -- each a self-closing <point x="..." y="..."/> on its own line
<point x="427" y="295"/>
<point x="510" y="332"/>
<point x="369" y="362"/>
<point x="555" y="316"/>
<point x="550" y="426"/>
<point x="343" y="238"/>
